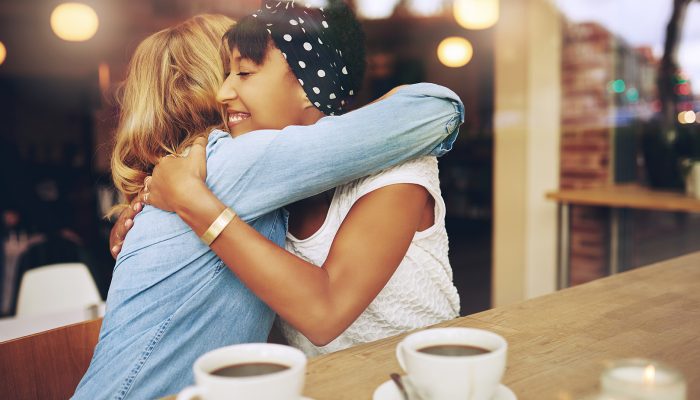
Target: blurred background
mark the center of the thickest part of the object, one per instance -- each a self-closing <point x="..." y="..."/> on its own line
<point x="560" y="95"/>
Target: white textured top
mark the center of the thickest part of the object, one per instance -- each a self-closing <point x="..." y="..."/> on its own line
<point x="420" y="292"/>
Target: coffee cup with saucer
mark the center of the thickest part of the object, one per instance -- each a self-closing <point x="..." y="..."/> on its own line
<point x="453" y="364"/>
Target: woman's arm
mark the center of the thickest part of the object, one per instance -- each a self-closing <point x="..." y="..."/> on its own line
<point x="264" y="170"/>
<point x="320" y="302"/>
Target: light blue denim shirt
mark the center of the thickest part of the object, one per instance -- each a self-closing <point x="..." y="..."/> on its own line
<point x="172" y="299"/>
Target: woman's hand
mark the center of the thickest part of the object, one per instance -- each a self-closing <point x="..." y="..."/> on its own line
<point x="175" y="179"/>
<point x="124" y="223"/>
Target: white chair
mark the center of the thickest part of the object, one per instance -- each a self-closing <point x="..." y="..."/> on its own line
<point x="56" y="288"/>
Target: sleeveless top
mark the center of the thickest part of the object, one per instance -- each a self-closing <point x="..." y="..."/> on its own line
<point x="420" y="293"/>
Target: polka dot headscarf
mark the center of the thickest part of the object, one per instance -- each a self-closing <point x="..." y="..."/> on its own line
<point x="302" y="34"/>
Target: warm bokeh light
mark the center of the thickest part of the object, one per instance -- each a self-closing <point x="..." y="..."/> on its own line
<point x="74" y="22"/>
<point x="649" y="374"/>
<point x="103" y="77"/>
<point x="455" y="52"/>
<point x="425" y="8"/>
<point x="3" y="53"/>
<point x="687" y="117"/>
<point x="374" y="9"/>
<point x="476" y="14"/>
<point x="316" y="3"/>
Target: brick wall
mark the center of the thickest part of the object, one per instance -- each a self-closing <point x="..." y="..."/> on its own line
<point x="592" y="113"/>
<point x="587" y="107"/>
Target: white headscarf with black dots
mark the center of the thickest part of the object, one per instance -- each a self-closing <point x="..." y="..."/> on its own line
<point x="302" y="34"/>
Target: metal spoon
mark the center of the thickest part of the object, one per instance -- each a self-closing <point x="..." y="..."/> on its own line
<point x="397" y="380"/>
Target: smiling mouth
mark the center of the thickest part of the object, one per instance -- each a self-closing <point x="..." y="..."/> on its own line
<point x="236" y="118"/>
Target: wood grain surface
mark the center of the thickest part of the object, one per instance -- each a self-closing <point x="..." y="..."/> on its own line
<point x="559" y="343"/>
<point x="628" y="196"/>
<point x="47" y="365"/>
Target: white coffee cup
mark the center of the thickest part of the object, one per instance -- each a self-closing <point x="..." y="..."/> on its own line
<point x="283" y="385"/>
<point x="467" y="377"/>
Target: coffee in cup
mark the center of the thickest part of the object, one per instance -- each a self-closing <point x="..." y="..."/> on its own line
<point x="260" y="371"/>
<point x="454" y="363"/>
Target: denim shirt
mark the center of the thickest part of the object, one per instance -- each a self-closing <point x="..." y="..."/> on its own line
<point x="172" y="299"/>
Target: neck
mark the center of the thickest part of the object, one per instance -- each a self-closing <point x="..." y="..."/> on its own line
<point x="311" y="115"/>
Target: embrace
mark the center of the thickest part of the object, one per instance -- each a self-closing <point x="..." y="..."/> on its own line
<point x="256" y="197"/>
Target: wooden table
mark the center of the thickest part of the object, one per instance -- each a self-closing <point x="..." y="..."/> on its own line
<point x="559" y="343"/>
<point x="615" y="197"/>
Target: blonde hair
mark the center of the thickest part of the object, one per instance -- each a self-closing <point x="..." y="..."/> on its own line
<point x="168" y="98"/>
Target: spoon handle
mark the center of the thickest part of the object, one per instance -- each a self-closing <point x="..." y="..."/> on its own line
<point x="397" y="380"/>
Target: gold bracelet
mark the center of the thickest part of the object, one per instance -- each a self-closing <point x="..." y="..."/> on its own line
<point x="219" y="224"/>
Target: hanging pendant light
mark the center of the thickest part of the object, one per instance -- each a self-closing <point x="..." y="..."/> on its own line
<point x="455" y="52"/>
<point x="74" y="22"/>
<point x="3" y="53"/>
<point x="476" y="14"/>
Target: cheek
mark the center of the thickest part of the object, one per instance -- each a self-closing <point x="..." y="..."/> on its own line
<point x="279" y="113"/>
<point x="268" y="111"/>
<point x="285" y="104"/>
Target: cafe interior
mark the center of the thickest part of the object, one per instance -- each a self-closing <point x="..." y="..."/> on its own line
<point x="572" y="195"/>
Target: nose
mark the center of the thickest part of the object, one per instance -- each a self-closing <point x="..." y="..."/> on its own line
<point x="227" y="92"/>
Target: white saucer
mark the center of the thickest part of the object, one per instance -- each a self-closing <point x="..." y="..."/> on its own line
<point x="389" y="391"/>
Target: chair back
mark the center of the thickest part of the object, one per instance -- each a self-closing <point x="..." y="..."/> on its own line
<point x="54" y="288"/>
<point x="47" y="365"/>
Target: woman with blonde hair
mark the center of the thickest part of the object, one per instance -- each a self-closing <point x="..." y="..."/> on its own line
<point x="168" y="99"/>
<point x="171" y="298"/>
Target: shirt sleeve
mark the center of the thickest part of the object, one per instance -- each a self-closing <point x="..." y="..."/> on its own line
<point x="265" y="170"/>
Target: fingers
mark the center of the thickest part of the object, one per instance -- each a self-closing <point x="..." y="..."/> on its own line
<point x="147" y="182"/>
<point x="122" y="228"/>
<point x="145" y="193"/>
<point x="120" y="231"/>
<point x="115" y="250"/>
<point x="135" y="207"/>
<point x="124" y="223"/>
